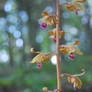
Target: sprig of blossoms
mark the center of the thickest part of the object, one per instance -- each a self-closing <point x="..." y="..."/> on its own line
<point x="52" y="34"/>
<point x="71" y="50"/>
<point x="74" y="6"/>
<point x="47" y="19"/>
<point x="41" y="57"/>
<point x="74" y="79"/>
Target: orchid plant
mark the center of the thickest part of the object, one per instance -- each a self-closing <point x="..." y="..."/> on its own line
<point x="47" y="20"/>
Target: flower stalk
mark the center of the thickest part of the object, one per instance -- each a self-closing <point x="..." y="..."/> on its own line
<point x="57" y="44"/>
<point x="47" y="20"/>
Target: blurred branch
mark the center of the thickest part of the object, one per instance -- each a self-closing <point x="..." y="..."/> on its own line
<point x="10" y="49"/>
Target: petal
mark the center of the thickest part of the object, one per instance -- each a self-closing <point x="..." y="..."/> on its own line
<point x="40" y="58"/>
<point x="39" y="65"/>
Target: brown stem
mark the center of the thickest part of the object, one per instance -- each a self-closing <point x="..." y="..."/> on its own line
<point x="81" y="74"/>
<point x="57" y="44"/>
<point x="76" y="75"/>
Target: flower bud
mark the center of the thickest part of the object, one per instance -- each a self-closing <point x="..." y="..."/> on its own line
<point x="43" y="25"/>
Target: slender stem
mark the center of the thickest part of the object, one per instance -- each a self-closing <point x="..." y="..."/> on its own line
<point x="76" y="75"/>
<point x="57" y="44"/>
<point x="81" y="74"/>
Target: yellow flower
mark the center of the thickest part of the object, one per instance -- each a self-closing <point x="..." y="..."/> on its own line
<point x="41" y="57"/>
<point x="64" y="49"/>
<point x="79" y="1"/>
<point x="75" y="81"/>
<point x="70" y="48"/>
<point x="53" y="33"/>
<point x="75" y="6"/>
<point x="48" y="18"/>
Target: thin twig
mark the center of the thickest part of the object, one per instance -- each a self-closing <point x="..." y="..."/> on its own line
<point x="76" y="75"/>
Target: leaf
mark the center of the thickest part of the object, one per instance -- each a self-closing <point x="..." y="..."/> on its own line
<point x="41" y="57"/>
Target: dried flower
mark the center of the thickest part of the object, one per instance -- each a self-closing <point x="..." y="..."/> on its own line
<point x="52" y="34"/>
<point x="41" y="57"/>
<point x="79" y="1"/>
<point x="75" y="6"/>
<point x="70" y="48"/>
<point x="47" y="19"/>
<point x="74" y="79"/>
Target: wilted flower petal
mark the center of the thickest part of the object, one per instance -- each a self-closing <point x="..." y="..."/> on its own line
<point x="41" y="57"/>
<point x="71" y="50"/>
<point x="74" y="6"/>
<point x="75" y="81"/>
<point x="52" y="34"/>
<point x="79" y="1"/>
<point x="48" y="19"/>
